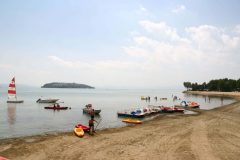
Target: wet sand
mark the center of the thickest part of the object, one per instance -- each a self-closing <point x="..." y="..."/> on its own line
<point x="212" y="134"/>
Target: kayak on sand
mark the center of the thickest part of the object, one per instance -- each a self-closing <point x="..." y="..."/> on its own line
<point x="79" y="132"/>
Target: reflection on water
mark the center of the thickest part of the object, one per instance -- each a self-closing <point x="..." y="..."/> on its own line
<point x="11" y="112"/>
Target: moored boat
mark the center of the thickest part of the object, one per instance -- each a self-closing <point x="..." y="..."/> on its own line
<point x="177" y="109"/>
<point x="126" y="114"/>
<point x="188" y="104"/>
<point x="90" y="110"/>
<point x="12" y="93"/>
<point x="163" y="98"/>
<point x="143" y="98"/>
<point x="193" y="105"/>
<point x="167" y="110"/>
<point x="49" y="100"/>
<point x="56" y="107"/>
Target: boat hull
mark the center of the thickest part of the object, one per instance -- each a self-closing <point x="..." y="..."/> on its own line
<point x="88" y="111"/>
<point x="133" y="121"/>
<point x="193" y="106"/>
<point x="130" y="115"/>
<point x="56" y="108"/>
<point x="47" y="100"/>
<point x="188" y="106"/>
<point x="17" y="101"/>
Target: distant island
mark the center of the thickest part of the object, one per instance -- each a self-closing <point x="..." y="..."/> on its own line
<point x="66" y="85"/>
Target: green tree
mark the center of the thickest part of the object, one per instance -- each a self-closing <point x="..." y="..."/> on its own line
<point x="238" y="85"/>
<point x="187" y="85"/>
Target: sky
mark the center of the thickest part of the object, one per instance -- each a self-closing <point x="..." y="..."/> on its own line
<point x="119" y="44"/>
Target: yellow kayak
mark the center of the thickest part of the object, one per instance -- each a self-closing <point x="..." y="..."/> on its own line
<point x="79" y="132"/>
<point x="134" y="121"/>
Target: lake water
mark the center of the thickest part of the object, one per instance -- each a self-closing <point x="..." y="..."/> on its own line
<point x="30" y="118"/>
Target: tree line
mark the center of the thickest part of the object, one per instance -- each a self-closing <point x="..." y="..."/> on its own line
<point x="222" y="85"/>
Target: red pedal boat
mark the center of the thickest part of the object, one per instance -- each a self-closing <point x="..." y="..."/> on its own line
<point x="56" y="107"/>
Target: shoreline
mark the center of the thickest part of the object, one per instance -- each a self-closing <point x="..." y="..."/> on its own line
<point x="214" y="93"/>
<point x="199" y="136"/>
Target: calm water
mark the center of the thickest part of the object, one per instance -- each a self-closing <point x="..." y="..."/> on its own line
<point x="31" y="118"/>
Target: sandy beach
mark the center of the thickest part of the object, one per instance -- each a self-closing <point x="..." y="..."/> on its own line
<point x="212" y="134"/>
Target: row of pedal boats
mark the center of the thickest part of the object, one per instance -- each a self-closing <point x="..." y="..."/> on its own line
<point x="151" y="110"/>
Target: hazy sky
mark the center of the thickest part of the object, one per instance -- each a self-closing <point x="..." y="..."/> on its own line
<point x="119" y="44"/>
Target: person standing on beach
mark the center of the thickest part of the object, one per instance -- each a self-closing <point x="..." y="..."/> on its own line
<point x="91" y="126"/>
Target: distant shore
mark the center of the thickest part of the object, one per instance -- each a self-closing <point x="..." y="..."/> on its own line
<point x="209" y="135"/>
<point x="214" y="93"/>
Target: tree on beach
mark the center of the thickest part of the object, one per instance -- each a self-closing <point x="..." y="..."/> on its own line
<point x="222" y="85"/>
<point x="238" y="84"/>
<point x="187" y="85"/>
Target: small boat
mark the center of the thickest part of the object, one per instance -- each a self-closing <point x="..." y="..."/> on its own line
<point x="188" y="104"/>
<point x="143" y="98"/>
<point x="177" y="109"/>
<point x="89" y="109"/>
<point x="79" y="132"/>
<point x="130" y="120"/>
<point x="163" y="98"/>
<point x="85" y="128"/>
<point x="136" y="113"/>
<point x="125" y="114"/>
<point x="167" y="110"/>
<point x="12" y="93"/>
<point x="56" y="107"/>
<point x="193" y="105"/>
<point x="49" y="100"/>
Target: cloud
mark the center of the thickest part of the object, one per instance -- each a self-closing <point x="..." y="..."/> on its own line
<point x="142" y="8"/>
<point x="163" y="30"/>
<point x="160" y="56"/>
<point x="237" y="29"/>
<point x="69" y="64"/>
<point x="5" y="66"/>
<point x="212" y="39"/>
<point x="118" y="73"/>
<point x="97" y="65"/>
<point x="143" y="12"/>
<point x="205" y="51"/>
<point x="179" y="9"/>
